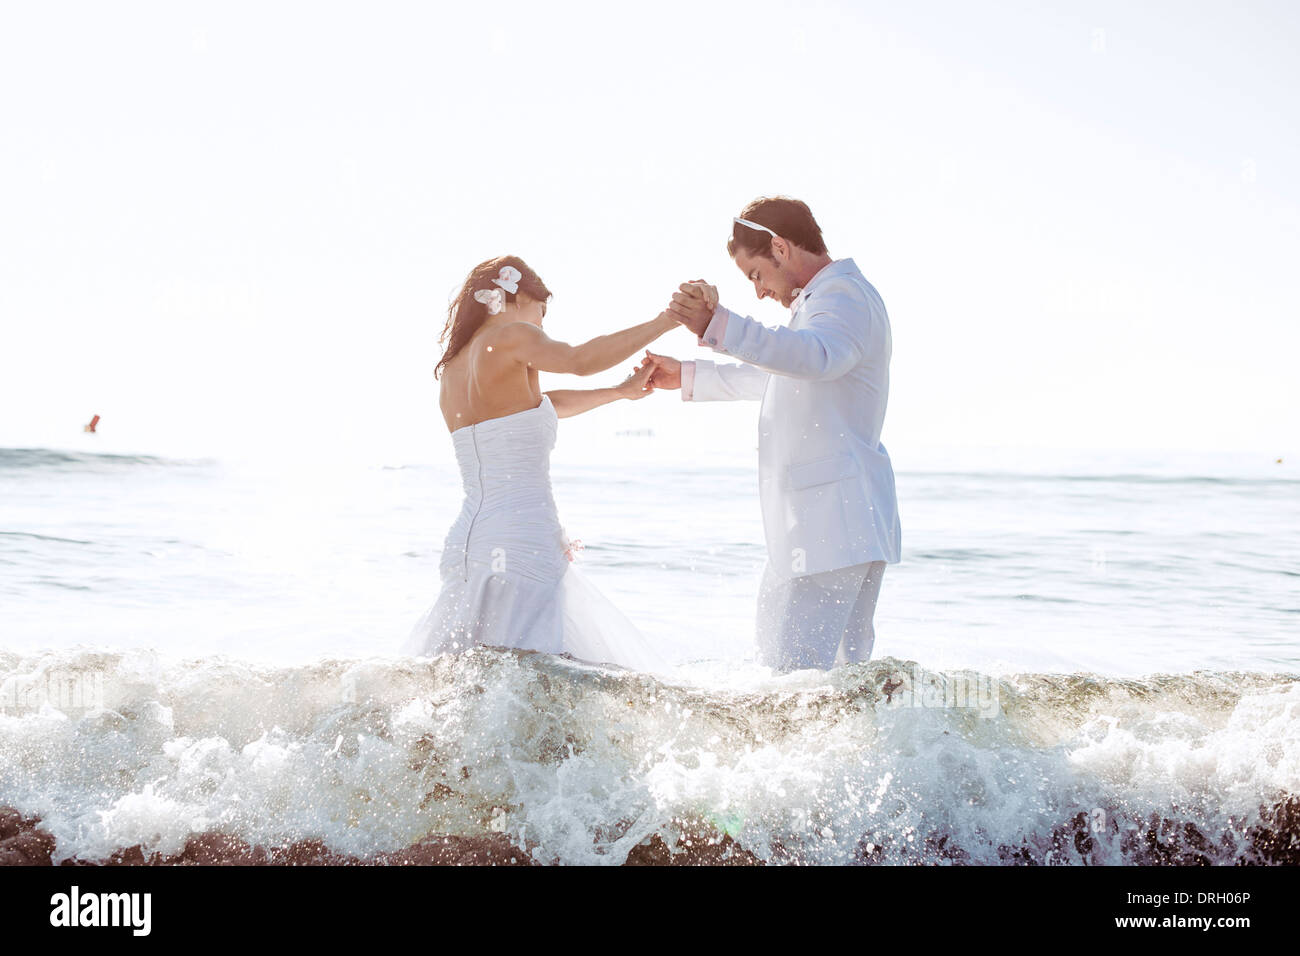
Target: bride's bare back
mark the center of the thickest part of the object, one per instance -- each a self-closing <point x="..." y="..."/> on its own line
<point x="484" y="381"/>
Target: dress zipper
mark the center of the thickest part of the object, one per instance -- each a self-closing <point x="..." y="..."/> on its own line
<point x="478" y="463"/>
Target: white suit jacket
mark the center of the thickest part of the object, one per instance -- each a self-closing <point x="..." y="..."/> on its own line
<point x="826" y="485"/>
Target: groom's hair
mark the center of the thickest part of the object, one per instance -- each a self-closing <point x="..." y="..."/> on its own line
<point x="790" y="219"/>
<point x="466" y="314"/>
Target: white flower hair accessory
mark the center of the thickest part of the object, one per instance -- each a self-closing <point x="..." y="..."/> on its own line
<point x="508" y="279"/>
<point x="494" y="299"/>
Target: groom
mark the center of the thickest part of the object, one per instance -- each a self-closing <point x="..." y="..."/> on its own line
<point x="826" y="485"/>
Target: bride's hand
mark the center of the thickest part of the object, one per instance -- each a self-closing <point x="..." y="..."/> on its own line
<point x="667" y="370"/>
<point x="635" y="385"/>
<point x="703" y="289"/>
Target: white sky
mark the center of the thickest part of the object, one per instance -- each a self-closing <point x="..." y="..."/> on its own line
<point x="228" y="228"/>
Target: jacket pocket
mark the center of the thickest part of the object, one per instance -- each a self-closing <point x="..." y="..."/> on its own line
<point x="819" y="471"/>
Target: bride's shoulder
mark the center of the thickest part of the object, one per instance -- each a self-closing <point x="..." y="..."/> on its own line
<point x="518" y="327"/>
<point x="512" y="334"/>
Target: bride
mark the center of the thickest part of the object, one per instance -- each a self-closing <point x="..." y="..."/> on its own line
<point x="506" y="572"/>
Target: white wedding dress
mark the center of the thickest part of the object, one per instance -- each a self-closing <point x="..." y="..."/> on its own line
<point x="506" y="580"/>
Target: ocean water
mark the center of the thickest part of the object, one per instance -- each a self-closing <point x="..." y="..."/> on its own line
<point x="1087" y="660"/>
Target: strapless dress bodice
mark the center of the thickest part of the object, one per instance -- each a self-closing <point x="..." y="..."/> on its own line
<point x="508" y="519"/>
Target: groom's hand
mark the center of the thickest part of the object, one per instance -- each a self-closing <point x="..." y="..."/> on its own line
<point x="693" y="305"/>
<point x="667" y="370"/>
<point x="702" y="288"/>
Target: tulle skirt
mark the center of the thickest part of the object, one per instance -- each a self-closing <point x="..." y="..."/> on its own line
<point x="569" y="616"/>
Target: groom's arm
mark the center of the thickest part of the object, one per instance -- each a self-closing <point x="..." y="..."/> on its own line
<point x="704" y="381"/>
<point x="834" y="338"/>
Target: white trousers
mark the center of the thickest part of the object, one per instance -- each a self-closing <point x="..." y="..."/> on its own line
<point x="818" y="620"/>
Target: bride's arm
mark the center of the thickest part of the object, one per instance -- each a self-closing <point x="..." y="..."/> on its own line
<point x="528" y="344"/>
<point x="574" y="401"/>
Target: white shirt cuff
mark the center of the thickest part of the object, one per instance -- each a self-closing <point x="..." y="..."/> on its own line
<point x="716" y="331"/>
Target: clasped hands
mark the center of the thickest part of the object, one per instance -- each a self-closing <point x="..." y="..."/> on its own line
<point x="692" y="306"/>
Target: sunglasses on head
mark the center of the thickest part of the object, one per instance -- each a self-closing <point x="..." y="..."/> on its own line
<point x="755" y="225"/>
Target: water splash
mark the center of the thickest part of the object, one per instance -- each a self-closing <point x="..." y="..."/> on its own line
<point x="879" y="762"/>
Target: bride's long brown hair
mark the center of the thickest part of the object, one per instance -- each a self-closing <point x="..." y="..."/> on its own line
<point x="465" y="315"/>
